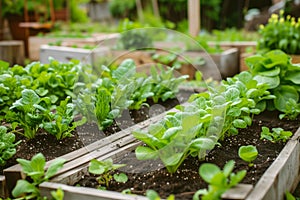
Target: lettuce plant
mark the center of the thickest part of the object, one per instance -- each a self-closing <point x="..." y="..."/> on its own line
<point x="283" y="78"/>
<point x="248" y="153"/>
<point x="277" y="134"/>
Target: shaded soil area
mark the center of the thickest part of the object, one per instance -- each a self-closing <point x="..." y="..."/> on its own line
<point x="88" y="133"/>
<point x="186" y="181"/>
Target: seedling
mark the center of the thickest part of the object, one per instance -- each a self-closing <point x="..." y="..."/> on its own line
<point x="248" y="154"/>
<point x="219" y="180"/>
<point x="105" y="170"/>
<point x="7" y="145"/>
<point x="153" y="195"/>
<point x="34" y="168"/>
<point x="277" y="135"/>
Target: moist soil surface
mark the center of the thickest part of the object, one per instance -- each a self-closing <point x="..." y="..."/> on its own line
<point x="144" y="175"/>
<point x="88" y="133"/>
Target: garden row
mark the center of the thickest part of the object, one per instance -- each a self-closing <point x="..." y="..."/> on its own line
<point x="188" y="132"/>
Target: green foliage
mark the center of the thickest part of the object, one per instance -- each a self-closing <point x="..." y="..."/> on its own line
<point x="277" y="135"/>
<point x="289" y="196"/>
<point x="122" y="8"/>
<point x="105" y="169"/>
<point x="34" y="169"/>
<point x="135" y="39"/>
<point x="61" y="123"/>
<point x="280" y="33"/>
<point x="197" y="127"/>
<point x="275" y="69"/>
<point x="248" y="153"/>
<point x="153" y="195"/>
<point x="7" y="145"/>
<point x="165" y="84"/>
<point x="27" y="112"/>
<point x="219" y="180"/>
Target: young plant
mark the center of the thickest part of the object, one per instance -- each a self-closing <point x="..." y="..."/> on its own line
<point x="289" y="196"/>
<point x="61" y="123"/>
<point x="219" y="180"/>
<point x="153" y="195"/>
<point x="7" y="145"/>
<point x="27" y="112"/>
<point x="277" y="135"/>
<point x="105" y="170"/>
<point x="165" y="84"/>
<point x="248" y="153"/>
<point x="34" y="168"/>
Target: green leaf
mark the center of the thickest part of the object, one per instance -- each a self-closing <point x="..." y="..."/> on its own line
<point x="272" y="72"/>
<point x="272" y="82"/>
<point x="236" y="178"/>
<point x="283" y="94"/>
<point x="248" y="153"/>
<point x="23" y="187"/>
<point x="125" y="70"/>
<point x="239" y="123"/>
<point x="293" y="76"/>
<point x="121" y="178"/>
<point x="56" y="165"/>
<point x="207" y="171"/>
<point x="145" y="153"/>
<point x="96" y="167"/>
<point x="228" y="167"/>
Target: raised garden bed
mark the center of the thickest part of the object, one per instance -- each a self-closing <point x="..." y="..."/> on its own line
<point x="261" y="182"/>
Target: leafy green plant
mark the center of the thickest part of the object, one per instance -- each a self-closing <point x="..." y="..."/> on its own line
<point x="61" y="123"/>
<point x="277" y="135"/>
<point x="105" y="170"/>
<point x="280" y="33"/>
<point x="165" y="84"/>
<point x="248" y="153"/>
<point x="219" y="180"/>
<point x="7" y="145"/>
<point x="275" y="69"/>
<point x="27" y="113"/>
<point x="289" y="196"/>
<point x="34" y="168"/>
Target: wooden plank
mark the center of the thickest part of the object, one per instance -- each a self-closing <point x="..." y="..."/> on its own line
<point x="12" y="51"/>
<point x="282" y="175"/>
<point x="238" y="192"/>
<point x="3" y="189"/>
<point x="79" y="193"/>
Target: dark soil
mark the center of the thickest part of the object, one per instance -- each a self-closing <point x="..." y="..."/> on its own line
<point x="88" y="133"/>
<point x="186" y="181"/>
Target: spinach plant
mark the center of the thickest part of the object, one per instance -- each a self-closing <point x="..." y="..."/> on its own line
<point x="219" y="180"/>
<point x="277" y="135"/>
<point x="27" y="113"/>
<point x="7" y="145"/>
<point x="61" y="123"/>
<point x="34" y="168"/>
<point x="105" y="170"/>
<point x="165" y="84"/>
<point x="153" y="195"/>
<point x="248" y="153"/>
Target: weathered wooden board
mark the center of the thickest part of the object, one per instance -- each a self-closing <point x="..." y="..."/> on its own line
<point x="3" y="189"/>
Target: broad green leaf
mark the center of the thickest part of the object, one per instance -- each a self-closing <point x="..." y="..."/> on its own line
<point x="202" y="143"/>
<point x="171" y="132"/>
<point x="248" y="153"/>
<point x="207" y="171"/>
<point x="272" y="82"/>
<point x="156" y="130"/>
<point x="23" y="187"/>
<point x="172" y="160"/>
<point x="56" y="165"/>
<point x="239" y="123"/>
<point x="236" y="178"/>
<point x="125" y="70"/>
<point x="145" y="153"/>
<point x="283" y="94"/>
<point x="121" y="178"/>
<point x="219" y="180"/>
<point x="277" y="57"/>
<point x="29" y="97"/>
<point x="96" y="167"/>
<point x="272" y="72"/>
<point x="293" y="76"/>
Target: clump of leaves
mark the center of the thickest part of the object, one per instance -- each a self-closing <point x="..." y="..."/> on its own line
<point x="282" y="77"/>
<point x="289" y="196"/>
<point x="248" y="153"/>
<point x="7" y="145"/>
<point x="105" y="169"/>
<point x="219" y="180"/>
<point x="34" y="168"/>
<point x="277" y="135"/>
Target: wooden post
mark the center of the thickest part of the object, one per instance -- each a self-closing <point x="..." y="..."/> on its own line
<point x="139" y="8"/>
<point x="12" y="51"/>
<point x="194" y="17"/>
<point x="155" y="8"/>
